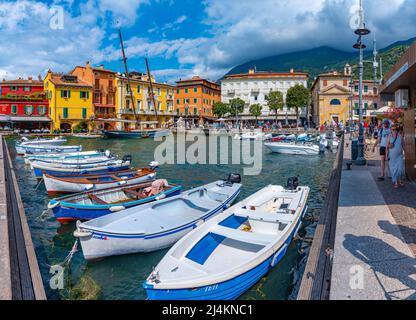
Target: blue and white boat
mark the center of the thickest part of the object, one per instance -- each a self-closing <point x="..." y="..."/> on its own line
<point x="156" y="225"/>
<point x="20" y="145"/>
<point x="95" y="204"/>
<point x="226" y="256"/>
<point x="66" y="156"/>
<point x="40" y="168"/>
<point x="34" y="149"/>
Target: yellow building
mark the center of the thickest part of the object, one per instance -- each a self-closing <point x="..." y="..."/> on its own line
<point x="331" y="97"/>
<point x="70" y="101"/>
<point x="143" y="104"/>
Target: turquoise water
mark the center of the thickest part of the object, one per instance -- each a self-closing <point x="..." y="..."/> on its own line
<point x="122" y="277"/>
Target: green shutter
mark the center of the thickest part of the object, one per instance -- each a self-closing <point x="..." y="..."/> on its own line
<point x="195" y="100"/>
<point x="195" y="110"/>
<point x="14" y="109"/>
<point x="69" y="93"/>
<point x="84" y="113"/>
<point x="65" y="113"/>
<point x="62" y="93"/>
<point x="88" y="94"/>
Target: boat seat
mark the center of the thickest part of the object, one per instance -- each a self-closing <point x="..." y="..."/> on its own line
<point x="265" y="216"/>
<point x="115" y="177"/>
<point x="96" y="199"/>
<point x="243" y="236"/>
<point x="132" y="192"/>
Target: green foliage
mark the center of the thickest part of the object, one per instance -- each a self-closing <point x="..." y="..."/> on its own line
<point x="255" y="110"/>
<point x="297" y="97"/>
<point x="275" y="101"/>
<point x="220" y="109"/>
<point x="236" y="106"/>
<point x="86" y="289"/>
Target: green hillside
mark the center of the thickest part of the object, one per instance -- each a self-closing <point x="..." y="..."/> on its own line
<point x="324" y="59"/>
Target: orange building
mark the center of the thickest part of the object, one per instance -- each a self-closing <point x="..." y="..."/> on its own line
<point x="104" y="91"/>
<point x="195" y="97"/>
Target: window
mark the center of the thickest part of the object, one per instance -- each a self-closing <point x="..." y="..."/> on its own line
<point x="177" y="111"/>
<point x="195" y="89"/>
<point x="65" y="94"/>
<point x="366" y="105"/>
<point x="325" y="83"/>
<point x="345" y="83"/>
<point x="50" y="95"/>
<point x="195" y="100"/>
<point x="356" y="105"/>
<point x="139" y="104"/>
<point x="186" y="111"/>
<point x="365" y="89"/>
<point x="65" y="113"/>
<point x="335" y="102"/>
<point x="186" y="90"/>
<point x="375" y="91"/>
<point x="14" y="109"/>
<point x="256" y="98"/>
<point x="178" y="101"/>
<point x="375" y="106"/>
<point x="13" y="88"/>
<point x="84" y="94"/>
<point x="195" y="110"/>
<point x="186" y="101"/>
<point x="29" y="110"/>
<point x="27" y="89"/>
<point x="84" y="113"/>
<point x="138" y="89"/>
<point x="178" y="91"/>
<point x="356" y="88"/>
<point x="41" y="110"/>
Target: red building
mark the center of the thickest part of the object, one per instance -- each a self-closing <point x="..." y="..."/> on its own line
<point x="23" y="105"/>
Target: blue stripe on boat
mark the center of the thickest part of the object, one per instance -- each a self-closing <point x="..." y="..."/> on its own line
<point x="204" y="248"/>
<point x="233" y="222"/>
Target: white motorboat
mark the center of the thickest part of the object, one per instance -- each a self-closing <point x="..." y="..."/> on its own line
<point x="256" y="136"/>
<point x="21" y="145"/>
<point x="293" y="148"/>
<point x="44" y="149"/>
<point x="227" y="255"/>
<point x="156" y="225"/>
<point x="66" y="156"/>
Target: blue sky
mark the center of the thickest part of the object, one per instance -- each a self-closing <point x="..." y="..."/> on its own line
<point x="183" y="38"/>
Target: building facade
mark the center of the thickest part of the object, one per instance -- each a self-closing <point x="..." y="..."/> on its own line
<point x="23" y="104"/>
<point x="103" y="82"/>
<point x="149" y="116"/>
<point x="194" y="98"/>
<point x="371" y="99"/>
<point x="253" y="87"/>
<point x="70" y="101"/>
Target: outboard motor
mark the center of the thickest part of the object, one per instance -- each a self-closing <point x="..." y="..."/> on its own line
<point x="127" y="158"/>
<point x="100" y="150"/>
<point x="233" y="178"/>
<point x="292" y="183"/>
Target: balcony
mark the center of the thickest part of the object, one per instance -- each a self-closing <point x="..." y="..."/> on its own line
<point x="231" y="92"/>
<point x="256" y="90"/>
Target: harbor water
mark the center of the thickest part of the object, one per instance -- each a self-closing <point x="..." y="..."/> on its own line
<point x="122" y="277"/>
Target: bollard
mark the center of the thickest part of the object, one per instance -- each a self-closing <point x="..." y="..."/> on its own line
<point x="349" y="164"/>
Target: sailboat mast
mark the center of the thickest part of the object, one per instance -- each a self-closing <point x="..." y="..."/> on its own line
<point x="152" y="96"/>
<point x="128" y="77"/>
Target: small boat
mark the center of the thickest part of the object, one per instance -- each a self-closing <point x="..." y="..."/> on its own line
<point x="293" y="148"/>
<point x="59" y="185"/>
<point x="256" y="136"/>
<point x="124" y="134"/>
<point x="65" y="156"/>
<point x="290" y="137"/>
<point x="158" y="225"/>
<point x="76" y="162"/>
<point x="227" y="255"/>
<point x="40" y="168"/>
<point x="34" y="149"/>
<point x="94" y="204"/>
<point x="87" y="136"/>
<point x="37" y="142"/>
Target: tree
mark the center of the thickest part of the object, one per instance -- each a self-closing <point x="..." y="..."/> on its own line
<point x="255" y="110"/>
<point x="275" y="101"/>
<point x="220" y="109"/>
<point x="297" y="97"/>
<point x="236" y="107"/>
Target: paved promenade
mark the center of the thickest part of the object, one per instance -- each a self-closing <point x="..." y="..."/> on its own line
<point x="375" y="243"/>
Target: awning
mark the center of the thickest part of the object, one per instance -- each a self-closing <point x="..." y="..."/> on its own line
<point x="4" y="118"/>
<point x="383" y="110"/>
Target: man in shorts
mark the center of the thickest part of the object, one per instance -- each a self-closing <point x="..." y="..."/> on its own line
<point x="383" y="135"/>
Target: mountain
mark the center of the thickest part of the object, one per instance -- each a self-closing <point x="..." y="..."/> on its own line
<point x="325" y="59"/>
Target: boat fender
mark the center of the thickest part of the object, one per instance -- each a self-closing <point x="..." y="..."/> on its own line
<point x="162" y="196"/>
<point x="78" y="233"/>
<point x="122" y="182"/>
<point x="53" y="205"/>
<point x="117" y="208"/>
<point x="89" y="187"/>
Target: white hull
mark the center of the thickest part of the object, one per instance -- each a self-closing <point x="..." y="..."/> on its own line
<point x="146" y="229"/>
<point x="293" y="149"/>
<point x="58" y="186"/>
<point x="72" y="155"/>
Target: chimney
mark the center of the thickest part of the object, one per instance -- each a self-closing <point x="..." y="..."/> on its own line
<point x="101" y="66"/>
<point x="39" y="77"/>
<point x="30" y="78"/>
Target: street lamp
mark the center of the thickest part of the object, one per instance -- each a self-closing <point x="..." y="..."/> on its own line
<point x="351" y="104"/>
<point x="361" y="31"/>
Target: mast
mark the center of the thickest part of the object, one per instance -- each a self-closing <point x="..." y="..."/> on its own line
<point x="152" y="96"/>
<point x="128" y="78"/>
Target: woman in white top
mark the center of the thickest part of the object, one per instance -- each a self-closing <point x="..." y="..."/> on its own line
<point x="395" y="149"/>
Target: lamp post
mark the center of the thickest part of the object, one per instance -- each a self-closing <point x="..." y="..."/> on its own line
<point x="361" y="31"/>
<point x="351" y="104"/>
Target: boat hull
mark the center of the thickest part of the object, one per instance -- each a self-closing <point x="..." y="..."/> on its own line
<point x="123" y="135"/>
<point x="69" y="212"/>
<point x="292" y="149"/>
<point x="102" y="244"/>
<point x="47" y="149"/>
<point x="58" y="186"/>
<point x="230" y="289"/>
<point x="71" y="171"/>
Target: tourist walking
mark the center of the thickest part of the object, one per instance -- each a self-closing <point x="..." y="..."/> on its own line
<point x="383" y="135"/>
<point x="395" y="149"/>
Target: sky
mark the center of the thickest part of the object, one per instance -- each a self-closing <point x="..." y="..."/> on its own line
<point x="183" y="38"/>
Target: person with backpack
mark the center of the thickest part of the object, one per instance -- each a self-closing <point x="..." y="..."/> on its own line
<point x="383" y="135"/>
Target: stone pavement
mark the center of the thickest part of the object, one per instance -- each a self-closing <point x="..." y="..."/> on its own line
<point x="374" y="252"/>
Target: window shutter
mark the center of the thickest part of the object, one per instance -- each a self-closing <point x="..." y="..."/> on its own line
<point x="62" y="93"/>
<point x="69" y="93"/>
